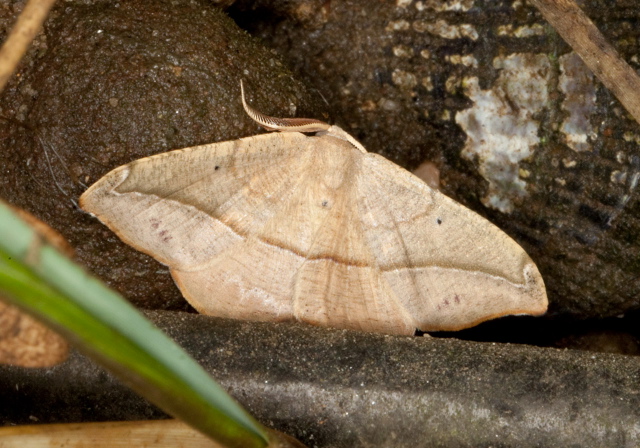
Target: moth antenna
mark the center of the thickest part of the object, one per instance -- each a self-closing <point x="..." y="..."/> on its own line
<point x="282" y="124"/>
<point x="297" y="124"/>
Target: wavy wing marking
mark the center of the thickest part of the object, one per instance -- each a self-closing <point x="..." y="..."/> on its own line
<point x="339" y="284"/>
<point x="284" y="226"/>
<point x="450" y="267"/>
<point x="186" y="206"/>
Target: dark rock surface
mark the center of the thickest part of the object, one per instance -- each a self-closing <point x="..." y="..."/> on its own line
<point x="116" y="81"/>
<point x="332" y="388"/>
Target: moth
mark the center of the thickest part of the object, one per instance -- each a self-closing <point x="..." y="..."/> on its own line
<point x="290" y="226"/>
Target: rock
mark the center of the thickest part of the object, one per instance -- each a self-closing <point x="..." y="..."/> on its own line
<point x="338" y="388"/>
<point x="603" y="341"/>
<point x="518" y="128"/>
<point x="116" y="81"/>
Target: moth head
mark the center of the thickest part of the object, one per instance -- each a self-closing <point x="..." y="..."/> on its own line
<point x="297" y="124"/>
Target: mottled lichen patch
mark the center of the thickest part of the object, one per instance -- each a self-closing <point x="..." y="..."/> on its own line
<point x="576" y="83"/>
<point x="446" y="30"/>
<point x="427" y="83"/>
<point x="397" y="25"/>
<point x="446" y="5"/>
<point x="500" y="126"/>
<point x="404" y="79"/>
<point x="535" y="29"/>
<point x="468" y="60"/>
<point x="402" y="51"/>
<point x="452" y="84"/>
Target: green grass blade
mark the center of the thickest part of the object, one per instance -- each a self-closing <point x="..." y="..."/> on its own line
<point x="38" y="279"/>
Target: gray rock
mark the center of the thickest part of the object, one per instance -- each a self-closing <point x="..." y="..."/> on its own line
<point x="338" y="388"/>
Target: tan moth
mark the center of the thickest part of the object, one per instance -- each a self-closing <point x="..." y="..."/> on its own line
<point x="288" y="226"/>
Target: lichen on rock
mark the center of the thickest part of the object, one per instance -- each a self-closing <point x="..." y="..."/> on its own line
<point x="500" y="126"/>
<point x="577" y="84"/>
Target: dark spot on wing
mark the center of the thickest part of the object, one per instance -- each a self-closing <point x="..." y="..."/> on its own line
<point x="446" y="302"/>
<point x="165" y="236"/>
<point x="439" y="221"/>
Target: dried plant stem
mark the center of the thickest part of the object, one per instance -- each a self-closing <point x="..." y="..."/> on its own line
<point x="586" y="40"/>
<point x="22" y="34"/>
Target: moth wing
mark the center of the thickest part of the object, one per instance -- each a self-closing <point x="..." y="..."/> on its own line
<point x="283" y="225"/>
<point x="450" y="267"/>
<point x="170" y="205"/>
<point x="345" y="294"/>
<point x="338" y="283"/>
<point x="251" y="280"/>
<point x="308" y="260"/>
